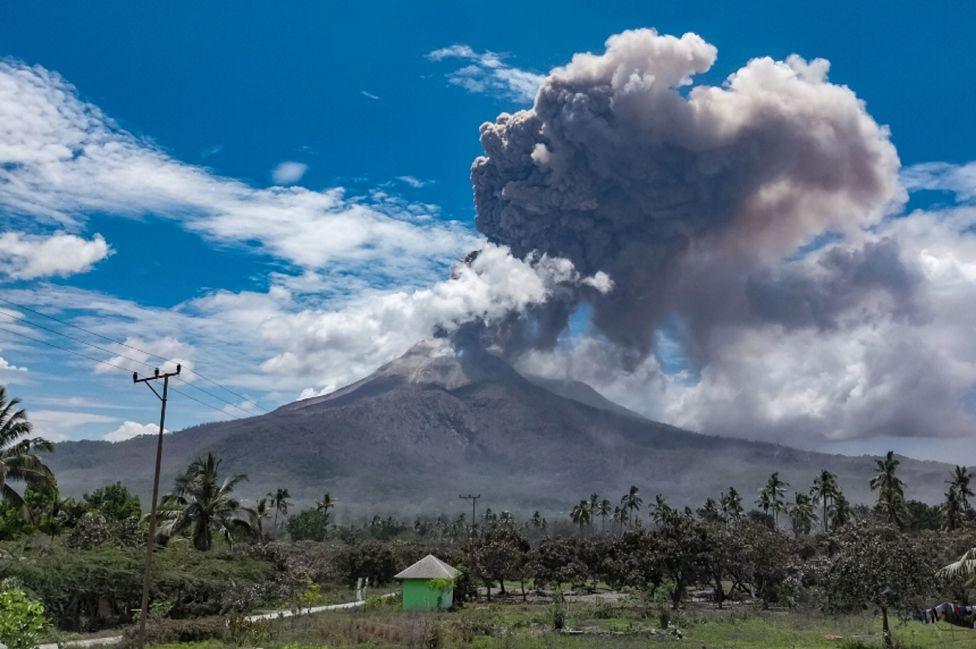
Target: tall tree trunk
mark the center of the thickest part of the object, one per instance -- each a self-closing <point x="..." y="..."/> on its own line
<point x="886" y="639"/>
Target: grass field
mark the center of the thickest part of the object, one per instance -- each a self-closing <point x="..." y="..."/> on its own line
<point x="529" y="626"/>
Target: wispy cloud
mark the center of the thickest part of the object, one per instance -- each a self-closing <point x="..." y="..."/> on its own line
<point x="942" y="176"/>
<point x="488" y="73"/>
<point x="61" y="158"/>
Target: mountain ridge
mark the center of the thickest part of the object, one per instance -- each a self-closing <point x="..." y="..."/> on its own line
<point x="439" y="421"/>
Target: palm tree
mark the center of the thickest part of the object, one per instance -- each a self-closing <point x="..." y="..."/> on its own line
<point x="841" y="513"/>
<point x="772" y="496"/>
<point x="603" y="509"/>
<point x="953" y="511"/>
<point x="802" y="515"/>
<point x="580" y="514"/>
<point x="619" y="517"/>
<point x="279" y="500"/>
<point x="537" y="520"/>
<point x="202" y="505"/>
<point x="891" y="491"/>
<point x="262" y="511"/>
<point x="825" y="491"/>
<point x="710" y="511"/>
<point x="631" y="502"/>
<point x="324" y="505"/>
<point x="960" y="483"/>
<point x="731" y="503"/>
<point x="18" y="454"/>
<point x="660" y="510"/>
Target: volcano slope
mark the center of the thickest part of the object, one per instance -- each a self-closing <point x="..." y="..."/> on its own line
<point x="435" y="423"/>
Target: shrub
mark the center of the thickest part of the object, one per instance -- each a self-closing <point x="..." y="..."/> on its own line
<point x="177" y="631"/>
<point x="22" y="619"/>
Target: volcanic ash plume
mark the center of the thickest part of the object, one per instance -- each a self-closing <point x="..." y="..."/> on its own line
<point x="623" y="165"/>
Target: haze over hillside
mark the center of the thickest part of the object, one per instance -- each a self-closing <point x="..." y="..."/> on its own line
<point x="434" y="423"/>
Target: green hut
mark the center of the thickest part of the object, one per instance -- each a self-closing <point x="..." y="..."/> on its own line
<point x="428" y="585"/>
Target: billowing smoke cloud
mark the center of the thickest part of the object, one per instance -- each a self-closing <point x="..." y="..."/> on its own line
<point x="679" y="191"/>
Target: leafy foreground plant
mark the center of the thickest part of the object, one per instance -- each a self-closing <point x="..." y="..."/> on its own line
<point x="22" y="620"/>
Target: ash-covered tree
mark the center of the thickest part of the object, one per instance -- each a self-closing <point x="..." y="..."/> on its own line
<point x="765" y="559"/>
<point x="772" y="497"/>
<point x="631" y="503"/>
<point x="500" y="554"/>
<point x="880" y="567"/>
<point x="731" y="503"/>
<point x="891" y="492"/>
<point x="825" y="491"/>
<point x="802" y="515"/>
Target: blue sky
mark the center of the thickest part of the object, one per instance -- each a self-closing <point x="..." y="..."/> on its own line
<point x="351" y="93"/>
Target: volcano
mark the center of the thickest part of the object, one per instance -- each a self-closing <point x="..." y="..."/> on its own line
<point x="437" y="422"/>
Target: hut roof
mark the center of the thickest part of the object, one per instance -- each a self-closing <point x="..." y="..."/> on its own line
<point x="430" y="567"/>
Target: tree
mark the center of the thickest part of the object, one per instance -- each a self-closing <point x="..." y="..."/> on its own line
<point x="802" y="515"/>
<point x="537" y="521"/>
<point x="604" y="509"/>
<point x="842" y="513"/>
<point x="203" y="506"/>
<point x="326" y="504"/>
<point x="498" y="555"/>
<point x="825" y="491"/>
<point x="710" y="511"/>
<point x="772" y="497"/>
<point x="19" y="461"/>
<point x="308" y="525"/>
<point x="878" y="566"/>
<point x="660" y="511"/>
<point x="891" y="491"/>
<point x="631" y="503"/>
<point x="764" y="559"/>
<point x="280" y="503"/>
<point x="731" y="503"/>
<point x="959" y="482"/>
<point x="580" y="514"/>
<point x="953" y="511"/>
<point x="115" y="502"/>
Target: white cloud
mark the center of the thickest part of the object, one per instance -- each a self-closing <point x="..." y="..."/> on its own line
<point x="130" y="429"/>
<point x="62" y="158"/>
<point x="487" y="73"/>
<point x="5" y="366"/>
<point x="942" y="176"/>
<point x="27" y="256"/>
<point x="137" y="353"/>
<point x="288" y="172"/>
<point x="57" y="425"/>
<point x="335" y="347"/>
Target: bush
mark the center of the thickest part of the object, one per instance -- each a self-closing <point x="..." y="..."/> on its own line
<point x="99" y="587"/>
<point x="177" y="631"/>
<point x="22" y="619"/>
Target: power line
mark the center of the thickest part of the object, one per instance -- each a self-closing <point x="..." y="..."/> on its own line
<point x="129" y="358"/>
<point x="118" y="367"/>
<point x="133" y="348"/>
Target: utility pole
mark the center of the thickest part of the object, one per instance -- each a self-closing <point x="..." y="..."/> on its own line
<point x="474" y="504"/>
<point x="151" y="541"/>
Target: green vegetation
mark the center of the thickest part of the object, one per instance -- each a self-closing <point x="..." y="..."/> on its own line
<point x="625" y="575"/>
<point x="22" y="619"/>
